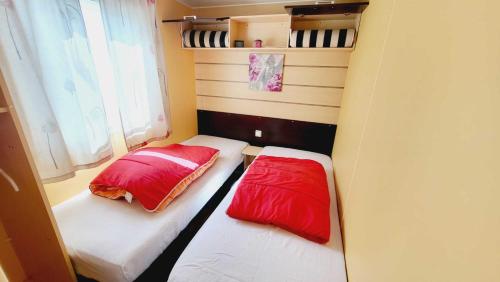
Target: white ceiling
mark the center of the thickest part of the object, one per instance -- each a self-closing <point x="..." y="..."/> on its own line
<point x="215" y="3"/>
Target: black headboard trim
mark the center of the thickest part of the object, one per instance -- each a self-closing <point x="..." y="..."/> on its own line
<point x="309" y="136"/>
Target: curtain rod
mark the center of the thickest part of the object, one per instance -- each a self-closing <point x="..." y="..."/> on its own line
<point x="196" y="19"/>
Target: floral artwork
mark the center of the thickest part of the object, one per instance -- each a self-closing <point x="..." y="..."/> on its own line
<point x="266" y="72"/>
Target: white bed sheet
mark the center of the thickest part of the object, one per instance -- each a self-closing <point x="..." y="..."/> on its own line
<point x="226" y="249"/>
<point x="111" y="240"/>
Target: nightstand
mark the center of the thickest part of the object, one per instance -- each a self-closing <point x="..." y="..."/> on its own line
<point x="249" y="154"/>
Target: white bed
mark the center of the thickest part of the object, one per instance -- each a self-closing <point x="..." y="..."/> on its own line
<point x="226" y="249"/>
<point x="111" y="240"/>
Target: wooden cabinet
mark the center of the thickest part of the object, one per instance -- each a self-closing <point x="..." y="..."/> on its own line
<point x="273" y="30"/>
<point x="249" y="155"/>
<point x="28" y="226"/>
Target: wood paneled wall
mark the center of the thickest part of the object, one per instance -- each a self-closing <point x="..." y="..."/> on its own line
<point x="313" y="83"/>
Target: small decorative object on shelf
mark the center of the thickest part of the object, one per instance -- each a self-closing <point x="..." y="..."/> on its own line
<point x="239" y="43"/>
<point x="257" y="43"/>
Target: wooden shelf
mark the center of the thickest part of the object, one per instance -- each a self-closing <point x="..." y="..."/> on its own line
<point x="274" y="30"/>
<point x="325" y="22"/>
<point x="199" y="20"/>
<point x="262" y="18"/>
<point x="4" y="110"/>
<point x="268" y="49"/>
<point x="341" y="8"/>
<point x="324" y="17"/>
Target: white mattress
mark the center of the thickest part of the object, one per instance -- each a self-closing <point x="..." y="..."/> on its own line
<point x="111" y="240"/>
<point x="226" y="249"/>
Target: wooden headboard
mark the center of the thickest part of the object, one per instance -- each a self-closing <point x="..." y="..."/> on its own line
<point x="309" y="136"/>
<point x="313" y="83"/>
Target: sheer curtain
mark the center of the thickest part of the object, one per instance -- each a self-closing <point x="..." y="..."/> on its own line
<point x="137" y="54"/>
<point x="45" y="58"/>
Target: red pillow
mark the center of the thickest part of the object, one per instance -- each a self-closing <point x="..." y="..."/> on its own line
<point x="289" y="193"/>
<point x="154" y="176"/>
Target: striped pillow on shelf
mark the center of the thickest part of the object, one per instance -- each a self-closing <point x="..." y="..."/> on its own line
<point x="205" y="39"/>
<point x="327" y="38"/>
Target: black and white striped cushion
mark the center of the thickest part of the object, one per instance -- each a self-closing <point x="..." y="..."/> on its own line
<point x="327" y="38"/>
<point x="205" y="39"/>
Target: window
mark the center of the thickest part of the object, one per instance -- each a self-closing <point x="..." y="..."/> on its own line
<point x="91" y="11"/>
<point x="80" y="91"/>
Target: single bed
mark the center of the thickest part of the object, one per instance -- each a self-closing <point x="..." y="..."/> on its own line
<point x="226" y="249"/>
<point x="111" y="240"/>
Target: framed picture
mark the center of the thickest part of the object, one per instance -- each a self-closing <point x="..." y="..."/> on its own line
<point x="266" y="72"/>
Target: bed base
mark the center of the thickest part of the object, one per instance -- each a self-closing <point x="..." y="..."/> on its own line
<point x="160" y="269"/>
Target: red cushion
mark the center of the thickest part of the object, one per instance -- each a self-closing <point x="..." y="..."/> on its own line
<point x="289" y="193"/>
<point x="154" y="176"/>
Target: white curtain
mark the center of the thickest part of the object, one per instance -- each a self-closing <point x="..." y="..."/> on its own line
<point x="45" y="58"/>
<point x="137" y="54"/>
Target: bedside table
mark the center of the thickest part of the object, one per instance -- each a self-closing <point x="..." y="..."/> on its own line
<point x="249" y="154"/>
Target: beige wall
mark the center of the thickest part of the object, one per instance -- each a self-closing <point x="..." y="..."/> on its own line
<point x="180" y="74"/>
<point x="361" y="77"/>
<point x="417" y="150"/>
<point x="180" y="68"/>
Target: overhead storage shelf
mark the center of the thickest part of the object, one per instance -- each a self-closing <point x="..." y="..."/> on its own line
<point x="327" y="9"/>
<point x="286" y="49"/>
<point x="277" y="31"/>
<point x="273" y="30"/>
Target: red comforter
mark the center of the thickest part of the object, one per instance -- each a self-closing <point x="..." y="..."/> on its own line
<point x="289" y="193"/>
<point x="154" y="176"/>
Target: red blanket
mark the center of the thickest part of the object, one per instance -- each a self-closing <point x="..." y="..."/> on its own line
<point x="289" y="193"/>
<point x="154" y="176"/>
